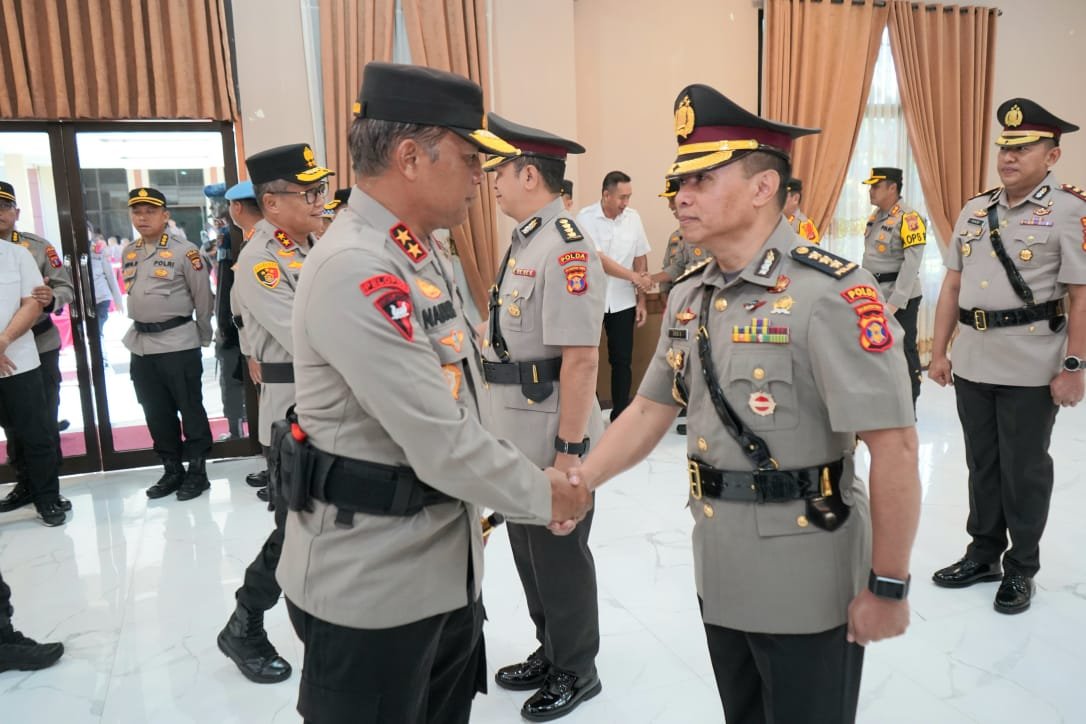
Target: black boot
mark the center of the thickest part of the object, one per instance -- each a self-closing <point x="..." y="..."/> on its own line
<point x="170" y="480"/>
<point x="195" y="482"/>
<point x="246" y="643"/>
<point x="19" y="653"/>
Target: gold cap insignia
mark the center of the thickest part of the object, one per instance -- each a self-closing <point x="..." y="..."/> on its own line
<point x="310" y="159"/>
<point x="684" y="118"/>
<point x="142" y="193"/>
<point x="1013" y="119"/>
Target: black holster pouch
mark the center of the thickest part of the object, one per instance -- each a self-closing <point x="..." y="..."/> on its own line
<point x="287" y="465"/>
<point x="828" y="510"/>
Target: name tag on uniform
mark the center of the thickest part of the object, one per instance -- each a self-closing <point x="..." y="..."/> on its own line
<point x="978" y="222"/>
<point x="678" y="333"/>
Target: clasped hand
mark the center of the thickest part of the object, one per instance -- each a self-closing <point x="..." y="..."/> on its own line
<point x="570" y="502"/>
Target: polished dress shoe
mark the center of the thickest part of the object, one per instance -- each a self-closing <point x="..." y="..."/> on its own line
<point x="562" y="692"/>
<point x="19" y="653"/>
<point x="51" y="514"/>
<point x="263" y="494"/>
<point x="528" y="674"/>
<point x="965" y="573"/>
<point x="246" y="643"/>
<point x="169" y="482"/>
<point x="1014" y="593"/>
<point x="21" y="495"/>
<point x="257" y="480"/>
<point x="681" y="428"/>
<point x="195" y="481"/>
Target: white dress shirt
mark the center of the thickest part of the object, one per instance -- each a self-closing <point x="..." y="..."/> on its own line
<point x="622" y="238"/>
<point x="18" y="277"/>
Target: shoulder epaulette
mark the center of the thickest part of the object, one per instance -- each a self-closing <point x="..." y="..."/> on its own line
<point x="569" y="231"/>
<point x="1074" y="191"/>
<point x="692" y="270"/>
<point x="817" y="258"/>
<point x="990" y="192"/>
<point x="407" y="242"/>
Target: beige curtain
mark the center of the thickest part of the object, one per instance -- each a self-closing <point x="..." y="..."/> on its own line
<point x="945" y="59"/>
<point x="452" y="35"/>
<point x="820" y="57"/>
<point x="115" y="59"/>
<point x="353" y="32"/>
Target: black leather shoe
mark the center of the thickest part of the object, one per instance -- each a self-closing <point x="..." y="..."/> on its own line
<point x="195" y="482"/>
<point x="263" y="494"/>
<point x="965" y="573"/>
<point x="64" y="504"/>
<point x="562" y="692"/>
<point x="257" y="480"/>
<point x="1014" y="593"/>
<point x="169" y="482"/>
<point x="19" y="653"/>
<point x="246" y="643"/>
<point x="19" y="496"/>
<point x="681" y="428"/>
<point x="51" y="514"/>
<point x="528" y="674"/>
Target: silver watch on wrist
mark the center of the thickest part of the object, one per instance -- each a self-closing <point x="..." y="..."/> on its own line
<point x="1072" y="363"/>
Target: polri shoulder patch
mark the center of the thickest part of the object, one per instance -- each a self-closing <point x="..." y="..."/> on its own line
<point x="194" y="259"/>
<point x="408" y="243"/>
<point x="825" y="262"/>
<point x="54" y="259"/>
<point x="691" y="271"/>
<point x="569" y="231"/>
<point x="1074" y="191"/>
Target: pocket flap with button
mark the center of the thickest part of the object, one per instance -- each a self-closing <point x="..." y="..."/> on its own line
<point x="1030" y="236"/>
<point x="515" y="296"/>
<point x="776" y="519"/>
<point x="758" y="384"/>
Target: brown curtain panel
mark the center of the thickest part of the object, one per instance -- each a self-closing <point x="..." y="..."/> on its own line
<point x="115" y="59"/>
<point x="353" y="32"/>
<point x="945" y="58"/>
<point x="820" y="57"/>
<point x="452" y="35"/>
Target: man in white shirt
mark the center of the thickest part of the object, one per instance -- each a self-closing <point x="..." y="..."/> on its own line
<point x="22" y="394"/>
<point x="620" y="238"/>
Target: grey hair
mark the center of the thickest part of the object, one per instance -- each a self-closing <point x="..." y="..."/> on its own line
<point x="372" y="142"/>
<point x="273" y="186"/>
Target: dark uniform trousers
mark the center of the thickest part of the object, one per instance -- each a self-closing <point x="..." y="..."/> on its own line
<point x="786" y="678"/>
<point x="559" y="578"/>
<point x="31" y="430"/>
<point x="260" y="591"/>
<point x="6" y="611"/>
<point x="49" y="370"/>
<point x="906" y="317"/>
<point x="620" y="336"/>
<point x="424" y="672"/>
<point x="1007" y="434"/>
<point x="166" y="384"/>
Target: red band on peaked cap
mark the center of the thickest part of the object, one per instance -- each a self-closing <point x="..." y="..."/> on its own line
<point x="1034" y="127"/>
<point x="706" y="134"/>
<point x="541" y="149"/>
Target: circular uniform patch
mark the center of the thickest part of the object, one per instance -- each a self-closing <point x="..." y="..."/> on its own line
<point x="762" y="403"/>
<point x="875" y="334"/>
<point x="267" y="273"/>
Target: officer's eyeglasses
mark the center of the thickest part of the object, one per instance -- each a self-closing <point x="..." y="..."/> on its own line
<point x="7" y="205"/>
<point x="311" y="194"/>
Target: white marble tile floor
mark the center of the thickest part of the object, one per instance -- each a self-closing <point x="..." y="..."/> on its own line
<point x="138" y="591"/>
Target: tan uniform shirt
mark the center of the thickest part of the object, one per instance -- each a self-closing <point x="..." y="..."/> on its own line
<point x="552" y="296"/>
<point x="265" y="281"/>
<point x="802" y="225"/>
<point x="895" y="242"/>
<point x="166" y="278"/>
<point x="763" y="567"/>
<point x="385" y="364"/>
<point x="678" y="257"/>
<point x="1045" y="237"/>
<point x="55" y="275"/>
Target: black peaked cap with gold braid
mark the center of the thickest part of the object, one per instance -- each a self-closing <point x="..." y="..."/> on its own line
<point x="1025" y="121"/>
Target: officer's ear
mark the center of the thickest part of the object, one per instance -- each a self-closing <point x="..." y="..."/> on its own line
<point x="767" y="185"/>
<point x="531" y="177"/>
<point x="1052" y="155"/>
<point x="406" y="158"/>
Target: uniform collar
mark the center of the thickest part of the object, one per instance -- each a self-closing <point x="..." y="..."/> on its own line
<point x="1040" y="195"/>
<point x="766" y="266"/>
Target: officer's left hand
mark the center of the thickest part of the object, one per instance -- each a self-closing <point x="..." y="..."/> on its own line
<point x="871" y="618"/>
<point x="640" y="315"/>
<point x="43" y="295"/>
<point x="1067" y="388"/>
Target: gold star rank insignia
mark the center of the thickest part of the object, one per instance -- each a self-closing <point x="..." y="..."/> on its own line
<point x="407" y="242"/>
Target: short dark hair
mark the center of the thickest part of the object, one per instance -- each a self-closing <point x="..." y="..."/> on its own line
<point x="613" y="179"/>
<point x="757" y="161"/>
<point x="248" y="204"/>
<point x="372" y="141"/>
<point x="550" y="170"/>
<point x="273" y="186"/>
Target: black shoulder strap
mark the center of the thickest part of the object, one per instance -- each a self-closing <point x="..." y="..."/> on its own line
<point x="753" y="447"/>
<point x="497" y="341"/>
<point x="1013" y="275"/>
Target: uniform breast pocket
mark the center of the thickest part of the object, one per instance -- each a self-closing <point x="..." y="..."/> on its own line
<point x="518" y="307"/>
<point x="760" y="381"/>
<point x="452" y="347"/>
<point x="1029" y="247"/>
<point x="160" y="280"/>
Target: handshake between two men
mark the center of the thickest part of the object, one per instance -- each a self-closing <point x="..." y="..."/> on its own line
<point x="570" y="501"/>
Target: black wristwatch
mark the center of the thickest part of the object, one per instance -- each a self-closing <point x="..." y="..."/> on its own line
<point x="884" y="587"/>
<point x="1072" y="363"/>
<point x="570" y="448"/>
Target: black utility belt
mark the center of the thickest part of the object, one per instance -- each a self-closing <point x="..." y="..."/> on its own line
<point x="885" y="276"/>
<point x="238" y="321"/>
<point x="522" y="373"/>
<point x="276" y="372"/>
<point x="980" y="319"/>
<point x="155" y="327"/>
<point x="763" y="486"/>
<point x="42" y="327"/>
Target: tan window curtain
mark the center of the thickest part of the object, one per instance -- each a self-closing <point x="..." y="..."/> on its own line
<point x="945" y="58"/>
<point x="353" y="32"/>
<point x="820" y="57"/>
<point x="115" y="60"/>
<point x="452" y="35"/>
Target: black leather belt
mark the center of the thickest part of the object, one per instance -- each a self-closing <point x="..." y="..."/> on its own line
<point x="358" y="486"/>
<point x="522" y="373"/>
<point x="885" y="276"/>
<point x="761" y="486"/>
<point x="980" y="319"/>
<point x="42" y="327"/>
<point x="238" y="321"/>
<point x="154" y="327"/>
<point x="276" y="372"/>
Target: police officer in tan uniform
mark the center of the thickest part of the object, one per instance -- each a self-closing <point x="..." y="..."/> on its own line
<point x="1014" y="291"/>
<point x="540" y="359"/>
<point x="290" y="188"/>
<point x="55" y="290"/>
<point x="784" y="354"/>
<point x="894" y="244"/>
<point x="382" y="561"/>
<point x="167" y="282"/>
<point x="798" y="220"/>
